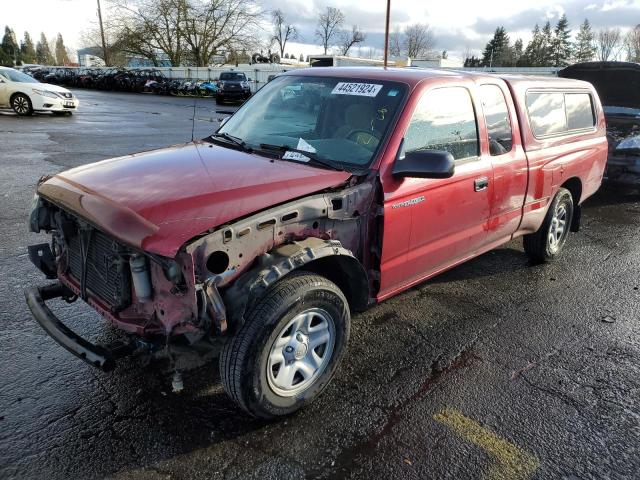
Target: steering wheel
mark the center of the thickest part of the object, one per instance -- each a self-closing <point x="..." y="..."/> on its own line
<point x="367" y="138"/>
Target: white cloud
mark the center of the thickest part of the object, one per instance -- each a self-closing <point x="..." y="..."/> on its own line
<point x="457" y="24"/>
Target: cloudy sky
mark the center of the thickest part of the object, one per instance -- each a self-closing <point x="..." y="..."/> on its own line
<point x="458" y="25"/>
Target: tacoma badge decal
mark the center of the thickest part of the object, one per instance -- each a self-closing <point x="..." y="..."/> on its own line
<point x="408" y="203"/>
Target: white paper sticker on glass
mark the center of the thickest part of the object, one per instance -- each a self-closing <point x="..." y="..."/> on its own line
<point x="360" y="89"/>
<point x="288" y="155"/>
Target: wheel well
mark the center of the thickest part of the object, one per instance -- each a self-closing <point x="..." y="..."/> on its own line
<point x="348" y="274"/>
<point x="13" y="95"/>
<point x="574" y="185"/>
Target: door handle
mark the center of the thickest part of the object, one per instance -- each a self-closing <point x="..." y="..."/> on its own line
<point x="480" y="184"/>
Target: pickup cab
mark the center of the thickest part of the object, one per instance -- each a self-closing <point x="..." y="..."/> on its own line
<point x="330" y="190"/>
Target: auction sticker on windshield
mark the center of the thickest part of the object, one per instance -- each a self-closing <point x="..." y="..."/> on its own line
<point x="361" y="89"/>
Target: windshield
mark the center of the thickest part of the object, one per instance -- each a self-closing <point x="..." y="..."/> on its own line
<point x="338" y="119"/>
<point x="16" y="76"/>
<point x="233" y="77"/>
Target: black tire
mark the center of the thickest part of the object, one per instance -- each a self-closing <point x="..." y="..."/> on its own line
<point x="540" y="246"/>
<point x="245" y="358"/>
<point x="21" y="104"/>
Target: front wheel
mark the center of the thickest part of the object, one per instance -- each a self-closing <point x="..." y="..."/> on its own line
<point x="21" y="104"/>
<point x="289" y="348"/>
<point x="545" y="244"/>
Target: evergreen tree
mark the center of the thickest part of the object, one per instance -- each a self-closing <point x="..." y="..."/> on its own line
<point x="544" y="54"/>
<point x="585" y="48"/>
<point x="61" y="51"/>
<point x="43" y="52"/>
<point x="10" y="49"/>
<point x="531" y="57"/>
<point x="517" y="51"/>
<point x="560" y="48"/>
<point x="498" y="52"/>
<point x="472" y="61"/>
<point x="27" y="50"/>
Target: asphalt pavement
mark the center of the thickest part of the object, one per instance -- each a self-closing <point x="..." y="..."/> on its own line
<point x="496" y="369"/>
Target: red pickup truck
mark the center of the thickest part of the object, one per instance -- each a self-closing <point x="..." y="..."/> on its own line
<point x="328" y="191"/>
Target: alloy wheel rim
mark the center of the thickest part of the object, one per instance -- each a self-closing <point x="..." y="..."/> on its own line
<point x="301" y="352"/>
<point x="557" y="228"/>
<point x="20" y="104"/>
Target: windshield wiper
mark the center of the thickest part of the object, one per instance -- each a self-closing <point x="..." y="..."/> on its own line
<point x="311" y="155"/>
<point x="235" y="140"/>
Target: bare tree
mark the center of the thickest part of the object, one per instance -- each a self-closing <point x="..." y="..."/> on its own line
<point x="395" y="44"/>
<point x="349" y="39"/>
<point x="418" y="40"/>
<point x="607" y="43"/>
<point x="467" y="54"/>
<point x="149" y="28"/>
<point x="209" y="27"/>
<point x="90" y="38"/>
<point x="282" y="31"/>
<point x="632" y="44"/>
<point x="329" y="23"/>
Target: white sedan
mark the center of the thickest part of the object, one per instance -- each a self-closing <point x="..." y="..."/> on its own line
<point x="25" y="94"/>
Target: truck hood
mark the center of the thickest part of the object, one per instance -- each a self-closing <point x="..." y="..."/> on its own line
<point x="158" y="200"/>
<point x="617" y="83"/>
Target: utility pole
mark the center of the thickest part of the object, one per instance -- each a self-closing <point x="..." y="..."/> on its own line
<point x="104" y="44"/>
<point x="386" y="34"/>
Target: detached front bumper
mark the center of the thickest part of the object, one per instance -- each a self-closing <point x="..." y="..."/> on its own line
<point x="98" y="356"/>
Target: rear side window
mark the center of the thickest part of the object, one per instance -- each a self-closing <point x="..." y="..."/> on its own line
<point x="496" y="116"/>
<point x="546" y="113"/>
<point x="579" y="111"/>
<point x="556" y="113"/>
<point x="444" y="120"/>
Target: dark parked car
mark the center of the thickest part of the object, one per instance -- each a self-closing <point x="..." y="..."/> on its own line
<point x="618" y="85"/>
<point x="233" y="86"/>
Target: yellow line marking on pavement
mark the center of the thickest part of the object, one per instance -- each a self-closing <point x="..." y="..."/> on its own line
<point x="510" y="462"/>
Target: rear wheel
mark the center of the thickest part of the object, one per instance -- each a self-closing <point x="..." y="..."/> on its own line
<point x="545" y="245"/>
<point x="289" y="348"/>
<point x="21" y="104"/>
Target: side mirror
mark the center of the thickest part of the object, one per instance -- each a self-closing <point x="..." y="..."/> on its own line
<point x="425" y="164"/>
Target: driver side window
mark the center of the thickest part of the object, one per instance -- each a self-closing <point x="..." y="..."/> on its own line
<point x="444" y="120"/>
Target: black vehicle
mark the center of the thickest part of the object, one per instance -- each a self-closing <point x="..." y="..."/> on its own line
<point x="233" y="86"/>
<point x="618" y="85"/>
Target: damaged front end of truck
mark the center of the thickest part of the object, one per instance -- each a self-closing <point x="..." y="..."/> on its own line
<point x="168" y="305"/>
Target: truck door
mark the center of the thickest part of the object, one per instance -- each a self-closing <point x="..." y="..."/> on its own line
<point x="510" y="167"/>
<point x="431" y="224"/>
